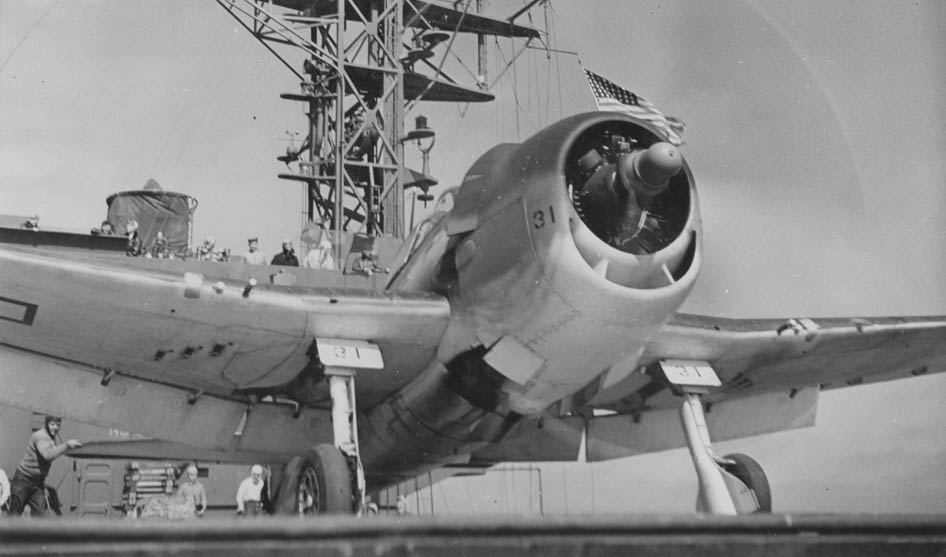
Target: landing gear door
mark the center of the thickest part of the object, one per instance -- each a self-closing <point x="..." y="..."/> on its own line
<point x="354" y="354"/>
<point x="690" y="373"/>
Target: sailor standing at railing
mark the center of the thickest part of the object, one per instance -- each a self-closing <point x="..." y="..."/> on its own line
<point x="134" y="248"/>
<point x="253" y="255"/>
<point x="287" y="256"/>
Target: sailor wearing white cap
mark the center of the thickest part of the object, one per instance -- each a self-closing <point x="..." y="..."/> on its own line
<point x="250" y="493"/>
<point x="253" y="255"/>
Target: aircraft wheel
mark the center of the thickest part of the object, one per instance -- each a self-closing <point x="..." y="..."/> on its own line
<point x="750" y="473"/>
<point x="319" y="483"/>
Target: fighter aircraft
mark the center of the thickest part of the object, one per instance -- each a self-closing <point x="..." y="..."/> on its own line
<point x="538" y="304"/>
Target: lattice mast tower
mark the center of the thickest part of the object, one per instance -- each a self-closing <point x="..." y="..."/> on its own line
<point x="357" y="75"/>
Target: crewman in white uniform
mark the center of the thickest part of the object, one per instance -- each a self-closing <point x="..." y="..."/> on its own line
<point x="249" y="494"/>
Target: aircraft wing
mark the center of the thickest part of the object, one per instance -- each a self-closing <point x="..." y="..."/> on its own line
<point x="771" y="371"/>
<point x="170" y="323"/>
<point x="754" y="356"/>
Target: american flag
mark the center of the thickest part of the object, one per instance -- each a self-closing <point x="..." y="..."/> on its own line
<point x="609" y="96"/>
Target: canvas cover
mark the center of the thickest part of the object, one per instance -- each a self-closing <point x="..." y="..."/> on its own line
<point x="155" y="211"/>
<point x="166" y="507"/>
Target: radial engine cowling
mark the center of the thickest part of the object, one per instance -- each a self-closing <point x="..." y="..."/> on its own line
<point x="572" y="249"/>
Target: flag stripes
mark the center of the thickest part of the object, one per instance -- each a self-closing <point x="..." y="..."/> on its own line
<point x="609" y="96"/>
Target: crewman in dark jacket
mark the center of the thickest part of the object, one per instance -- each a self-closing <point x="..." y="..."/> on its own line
<point x="29" y="482"/>
<point x="287" y="256"/>
<point x="134" y="248"/>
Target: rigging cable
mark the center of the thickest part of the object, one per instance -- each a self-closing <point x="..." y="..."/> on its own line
<point x="498" y="111"/>
<point x="565" y="486"/>
<point x="515" y="88"/>
<point x="535" y="75"/>
<point x="469" y="493"/>
<point x="515" y="93"/>
<point x="548" y="66"/>
<point x="27" y="34"/>
<point x="456" y="133"/>
<point x="498" y="60"/>
<point x="446" y="505"/>
<point x="550" y="24"/>
<point x="463" y="65"/>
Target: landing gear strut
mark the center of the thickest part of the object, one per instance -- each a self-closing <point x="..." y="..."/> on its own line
<point x="730" y="485"/>
<point x="330" y="479"/>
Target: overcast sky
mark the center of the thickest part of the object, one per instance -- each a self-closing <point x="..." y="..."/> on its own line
<point x="816" y="131"/>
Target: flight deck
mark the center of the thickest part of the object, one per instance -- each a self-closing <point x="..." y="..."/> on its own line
<point x="492" y="536"/>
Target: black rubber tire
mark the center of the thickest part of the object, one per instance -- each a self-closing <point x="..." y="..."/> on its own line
<point x="318" y="483"/>
<point x="751" y="473"/>
<point x="285" y="502"/>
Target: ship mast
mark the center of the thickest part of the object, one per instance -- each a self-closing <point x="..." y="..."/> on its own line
<point x="356" y="81"/>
